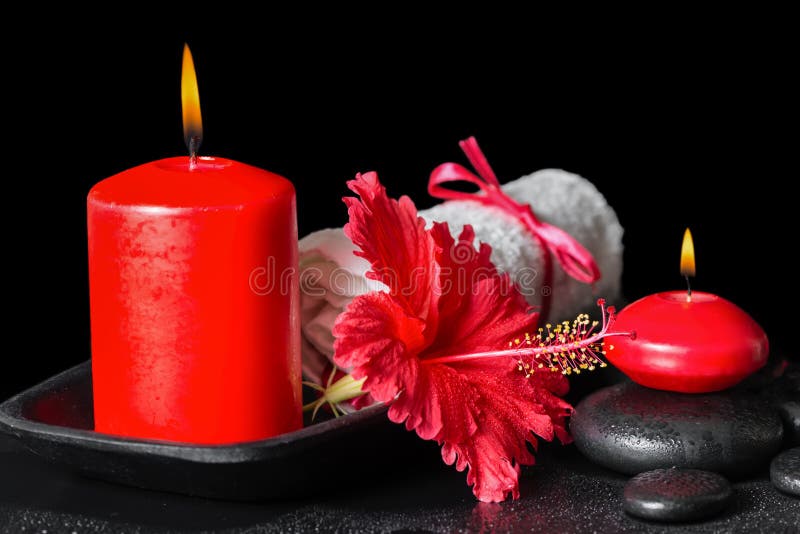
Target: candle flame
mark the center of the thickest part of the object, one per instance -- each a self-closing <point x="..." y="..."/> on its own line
<point x="190" y="103"/>
<point x="687" y="254"/>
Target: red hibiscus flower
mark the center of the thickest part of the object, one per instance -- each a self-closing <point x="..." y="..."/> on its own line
<point x="445" y="298"/>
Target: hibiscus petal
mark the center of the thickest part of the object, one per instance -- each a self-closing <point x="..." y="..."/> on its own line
<point x="487" y="410"/>
<point x="378" y="339"/>
<point x="480" y="307"/>
<point x="393" y="239"/>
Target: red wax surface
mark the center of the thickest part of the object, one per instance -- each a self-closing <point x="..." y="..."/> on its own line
<point x="195" y="302"/>
<point x="708" y="344"/>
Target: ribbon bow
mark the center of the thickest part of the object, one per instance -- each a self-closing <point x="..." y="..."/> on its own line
<point x="554" y="242"/>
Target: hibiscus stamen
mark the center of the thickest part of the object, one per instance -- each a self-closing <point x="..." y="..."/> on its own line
<point x="565" y="348"/>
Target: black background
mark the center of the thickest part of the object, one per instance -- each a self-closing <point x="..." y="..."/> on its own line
<point x="691" y="125"/>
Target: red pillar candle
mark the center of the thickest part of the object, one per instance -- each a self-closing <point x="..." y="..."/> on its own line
<point x="184" y="346"/>
<point x="690" y="342"/>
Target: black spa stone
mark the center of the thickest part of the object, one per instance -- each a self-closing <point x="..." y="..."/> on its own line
<point x="784" y="471"/>
<point x="676" y="494"/>
<point x="784" y="395"/>
<point x="790" y="413"/>
<point x="631" y="429"/>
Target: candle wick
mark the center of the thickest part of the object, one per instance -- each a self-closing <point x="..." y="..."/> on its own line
<point x="688" y="289"/>
<point x="194" y="146"/>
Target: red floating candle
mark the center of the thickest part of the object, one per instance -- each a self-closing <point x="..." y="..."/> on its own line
<point x="184" y="347"/>
<point x="691" y="342"/>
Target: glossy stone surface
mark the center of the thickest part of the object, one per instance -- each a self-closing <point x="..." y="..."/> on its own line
<point x="783" y="393"/>
<point x="784" y="471"/>
<point x="790" y="413"/>
<point x="631" y="429"/>
<point x="676" y="494"/>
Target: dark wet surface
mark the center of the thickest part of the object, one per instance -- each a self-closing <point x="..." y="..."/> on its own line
<point x="564" y="492"/>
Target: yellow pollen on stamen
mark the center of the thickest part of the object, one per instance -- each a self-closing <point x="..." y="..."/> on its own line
<point x="563" y="347"/>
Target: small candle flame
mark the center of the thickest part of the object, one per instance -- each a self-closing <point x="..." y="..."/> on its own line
<point x="687" y="254"/>
<point x="687" y="261"/>
<point x="190" y="103"/>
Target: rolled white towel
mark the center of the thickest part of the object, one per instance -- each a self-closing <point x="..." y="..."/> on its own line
<point x="331" y="275"/>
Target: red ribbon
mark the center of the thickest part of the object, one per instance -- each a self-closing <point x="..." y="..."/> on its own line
<point x="554" y="242"/>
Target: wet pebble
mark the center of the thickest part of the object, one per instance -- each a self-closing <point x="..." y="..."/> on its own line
<point x="790" y="413"/>
<point x="784" y="471"/>
<point x="631" y="429"/>
<point x="676" y="494"/>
